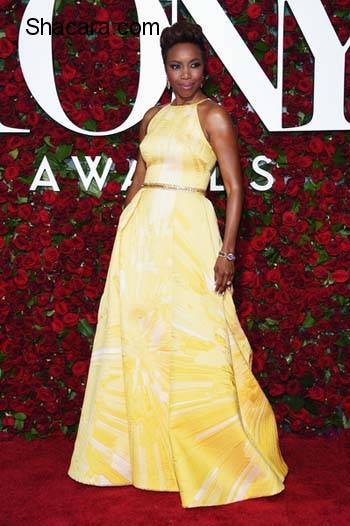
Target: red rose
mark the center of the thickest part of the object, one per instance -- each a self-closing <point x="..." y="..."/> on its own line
<point x="80" y="368"/>
<point x="316" y="393"/>
<point x="316" y="145"/>
<point x="253" y="35"/>
<point x="51" y="255"/>
<point x="249" y="279"/>
<point x="270" y="57"/>
<point x="6" y="48"/>
<point x="342" y="3"/>
<point x="214" y="66"/>
<point x="341" y="275"/>
<point x="116" y="42"/>
<point x="21" y="279"/>
<point x="5" y="3"/>
<point x="45" y="394"/>
<point x="12" y="32"/>
<point x="235" y="7"/>
<point x="11" y="173"/>
<point x="118" y="15"/>
<point x="293" y="387"/>
<point x="345" y="403"/>
<point x="277" y="389"/>
<point x="97" y="112"/>
<point x="289" y="219"/>
<point x="305" y="85"/>
<point x="254" y="11"/>
<point x="68" y="72"/>
<point x="102" y="15"/>
<point x="70" y="319"/>
<point x="120" y="70"/>
<point x="8" y="421"/>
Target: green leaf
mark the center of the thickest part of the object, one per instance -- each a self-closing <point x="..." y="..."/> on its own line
<point x="296" y="402"/>
<point x="57" y="6"/>
<point x="338" y="157"/>
<point x="344" y="339"/>
<point x="31" y="301"/>
<point x="346" y="422"/>
<point x="29" y="435"/>
<point x="310" y="406"/>
<point x="92" y="190"/>
<point x="110" y="107"/>
<point x="72" y="395"/>
<point x="308" y="321"/>
<point x="22" y="199"/>
<point x="250" y="323"/>
<point x="261" y="46"/>
<point x="266" y="218"/>
<point x="14" y="153"/>
<point x="289" y="358"/>
<point x="242" y="19"/>
<point x="327" y="375"/>
<point x="47" y="140"/>
<point x="85" y="328"/>
<point x="40" y="152"/>
<point x="307" y="380"/>
<point x="90" y="125"/>
<point x="295" y="206"/>
<point x="20" y="416"/>
<point x="63" y="151"/>
<point x="18" y="425"/>
<point x="282" y="158"/>
<point x="120" y="95"/>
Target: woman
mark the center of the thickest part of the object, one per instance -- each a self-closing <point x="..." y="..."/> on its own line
<point x="171" y="403"/>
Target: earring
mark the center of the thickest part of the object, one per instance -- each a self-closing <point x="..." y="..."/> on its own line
<point x="168" y="84"/>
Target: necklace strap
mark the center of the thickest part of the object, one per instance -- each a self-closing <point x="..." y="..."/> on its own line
<point x="190" y="104"/>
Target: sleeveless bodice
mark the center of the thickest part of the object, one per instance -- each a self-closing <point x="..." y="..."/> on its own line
<point x="175" y="148"/>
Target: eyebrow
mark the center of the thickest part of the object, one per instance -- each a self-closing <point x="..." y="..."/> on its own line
<point x="179" y="61"/>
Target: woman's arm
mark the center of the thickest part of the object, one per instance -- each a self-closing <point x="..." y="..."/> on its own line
<point x="222" y="135"/>
<point x="223" y="138"/>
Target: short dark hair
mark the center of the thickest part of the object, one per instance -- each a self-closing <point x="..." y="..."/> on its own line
<point x="182" y="32"/>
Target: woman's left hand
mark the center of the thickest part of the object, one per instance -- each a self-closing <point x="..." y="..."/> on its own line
<point x="224" y="270"/>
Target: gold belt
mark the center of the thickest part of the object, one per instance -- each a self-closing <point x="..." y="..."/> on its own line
<point x="174" y="187"/>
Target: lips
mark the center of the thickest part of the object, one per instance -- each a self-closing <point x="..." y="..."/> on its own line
<point x="187" y="86"/>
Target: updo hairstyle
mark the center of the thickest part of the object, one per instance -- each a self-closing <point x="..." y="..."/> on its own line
<point x="182" y="32"/>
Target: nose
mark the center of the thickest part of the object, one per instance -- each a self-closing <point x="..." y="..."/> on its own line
<point x="186" y="73"/>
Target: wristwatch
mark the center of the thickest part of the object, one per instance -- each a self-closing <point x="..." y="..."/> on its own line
<point x="228" y="255"/>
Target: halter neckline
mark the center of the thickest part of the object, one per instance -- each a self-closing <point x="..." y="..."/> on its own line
<point x="190" y="104"/>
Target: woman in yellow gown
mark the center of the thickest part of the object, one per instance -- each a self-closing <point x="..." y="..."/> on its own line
<point x="171" y="403"/>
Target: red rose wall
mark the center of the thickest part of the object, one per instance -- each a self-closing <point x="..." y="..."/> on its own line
<point x="292" y="271"/>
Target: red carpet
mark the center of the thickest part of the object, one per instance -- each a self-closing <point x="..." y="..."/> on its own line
<point x="35" y="489"/>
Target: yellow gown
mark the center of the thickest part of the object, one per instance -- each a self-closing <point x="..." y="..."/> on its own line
<point x="171" y="403"/>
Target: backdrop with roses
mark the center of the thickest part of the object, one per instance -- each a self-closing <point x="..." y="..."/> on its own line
<point x="292" y="272"/>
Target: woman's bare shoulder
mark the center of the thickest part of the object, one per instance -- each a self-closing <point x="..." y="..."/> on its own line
<point x="147" y="117"/>
<point x="215" y="117"/>
<point x="215" y="110"/>
<point x="151" y="112"/>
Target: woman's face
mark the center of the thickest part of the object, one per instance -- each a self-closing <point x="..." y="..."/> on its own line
<point x="184" y="68"/>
